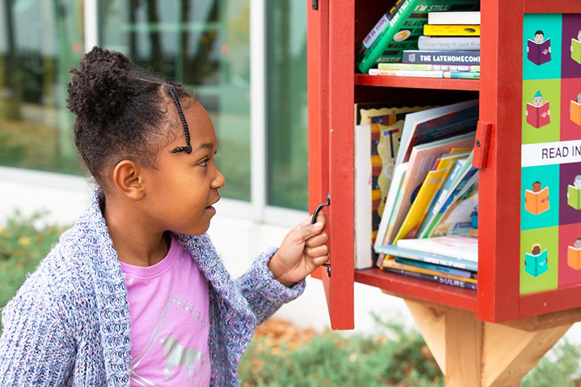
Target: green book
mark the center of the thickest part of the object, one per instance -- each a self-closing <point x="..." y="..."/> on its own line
<point x="406" y="26"/>
<point x="574" y="197"/>
<point x="575" y="50"/>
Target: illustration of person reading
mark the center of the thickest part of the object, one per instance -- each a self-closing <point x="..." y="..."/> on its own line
<point x="574" y="193"/>
<point x="537" y="261"/>
<point x="576" y="48"/>
<point x="575" y="110"/>
<point x="538" y="113"/>
<point x="537" y="200"/>
<point x="539" y="49"/>
<point x="574" y="255"/>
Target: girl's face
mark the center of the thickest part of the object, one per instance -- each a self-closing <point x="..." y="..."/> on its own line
<point x="184" y="186"/>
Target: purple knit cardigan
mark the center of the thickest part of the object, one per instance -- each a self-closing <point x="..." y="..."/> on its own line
<point x="68" y="325"/>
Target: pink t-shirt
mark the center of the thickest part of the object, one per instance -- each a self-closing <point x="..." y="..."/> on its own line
<point x="168" y="307"/>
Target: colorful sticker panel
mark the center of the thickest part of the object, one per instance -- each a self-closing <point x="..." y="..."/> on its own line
<point x="542" y="46"/>
<point x="540" y="197"/>
<point x="541" y="111"/>
<point x="571" y="108"/>
<point x="569" y="255"/>
<point x="570" y="194"/>
<point x="539" y="260"/>
<point x="571" y="46"/>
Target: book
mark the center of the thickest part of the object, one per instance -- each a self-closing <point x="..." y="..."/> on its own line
<point x="538" y="116"/>
<point x="573" y="197"/>
<point x="455" y="252"/>
<point x="574" y="257"/>
<point x="438" y="269"/>
<point x="441" y="57"/>
<point x="427" y="67"/>
<point x="434" y="124"/>
<point x="427" y="74"/>
<point x="454" y="18"/>
<point x="394" y="265"/>
<point x="435" y="278"/>
<point x="420" y="162"/>
<point x="575" y="50"/>
<point x="457" y="218"/>
<point x="575" y="112"/>
<point x="449" y="43"/>
<point x="539" y="53"/>
<point x="451" y="30"/>
<point x="537" y="202"/>
<point x="537" y="264"/>
<point x="404" y="29"/>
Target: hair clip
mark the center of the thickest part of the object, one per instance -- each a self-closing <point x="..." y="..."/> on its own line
<point x="188" y="147"/>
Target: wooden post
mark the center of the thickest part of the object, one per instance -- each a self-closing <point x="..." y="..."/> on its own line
<point x="474" y="353"/>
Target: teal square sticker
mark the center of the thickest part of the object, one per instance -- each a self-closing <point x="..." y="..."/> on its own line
<point x="541" y="49"/>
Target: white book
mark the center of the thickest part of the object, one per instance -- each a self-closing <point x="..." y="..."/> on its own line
<point x="449" y="43"/>
<point x="454" y="18"/>
<point x="459" y="247"/>
<point x="363" y="213"/>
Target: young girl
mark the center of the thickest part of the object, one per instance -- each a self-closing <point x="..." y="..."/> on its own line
<point x="135" y="294"/>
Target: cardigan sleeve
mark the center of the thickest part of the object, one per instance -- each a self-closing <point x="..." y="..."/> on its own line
<point x="265" y="294"/>
<point x="34" y="347"/>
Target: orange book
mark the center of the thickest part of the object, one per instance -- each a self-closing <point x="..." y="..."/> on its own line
<point x="575" y="111"/>
<point x="537" y="202"/>
<point x="574" y="257"/>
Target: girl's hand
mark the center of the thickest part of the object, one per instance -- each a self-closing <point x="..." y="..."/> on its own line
<point x="301" y="252"/>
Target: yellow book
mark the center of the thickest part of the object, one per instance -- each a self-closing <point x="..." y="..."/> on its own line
<point x="451" y="30"/>
<point x="392" y="264"/>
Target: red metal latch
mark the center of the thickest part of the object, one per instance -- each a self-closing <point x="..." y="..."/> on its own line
<point x="481" y="144"/>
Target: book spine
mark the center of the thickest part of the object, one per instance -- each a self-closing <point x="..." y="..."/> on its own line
<point x="429" y="258"/>
<point x="428" y="67"/>
<point x="441" y="269"/>
<point x="451" y="30"/>
<point x="426" y="74"/>
<point x="449" y="43"/>
<point x="434" y="278"/>
<point x="442" y="57"/>
<point x="456" y="18"/>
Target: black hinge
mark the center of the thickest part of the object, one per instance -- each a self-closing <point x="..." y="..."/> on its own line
<point x="328" y="266"/>
<point x="315" y="4"/>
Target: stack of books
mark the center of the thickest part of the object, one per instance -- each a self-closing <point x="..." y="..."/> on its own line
<point x="416" y="192"/>
<point x="449" y="48"/>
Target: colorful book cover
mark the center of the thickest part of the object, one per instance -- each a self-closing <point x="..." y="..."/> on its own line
<point x="573" y="197"/>
<point x="426" y="74"/>
<point x="538" y="264"/>
<point x="449" y="43"/>
<point x="441" y="57"/>
<point x="428" y="67"/>
<point x="574" y="257"/>
<point x="576" y="50"/>
<point x="438" y="269"/>
<point x="537" y="202"/>
<point x="575" y="112"/>
<point x="421" y="160"/>
<point x="539" y="53"/>
<point x="457" y="220"/>
<point x="451" y="30"/>
<point x="392" y="264"/>
<point x="405" y="27"/>
<point x="435" y="278"/>
<point x="435" y="124"/>
<point x="455" y="252"/>
<point x="538" y="116"/>
<point x="456" y="18"/>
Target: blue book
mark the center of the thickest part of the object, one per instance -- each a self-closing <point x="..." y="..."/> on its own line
<point x="436" y="259"/>
<point x="440" y="269"/>
<point x="435" y="278"/>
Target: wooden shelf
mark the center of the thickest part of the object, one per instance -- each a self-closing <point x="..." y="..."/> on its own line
<point x="415" y="288"/>
<point x="417" y="83"/>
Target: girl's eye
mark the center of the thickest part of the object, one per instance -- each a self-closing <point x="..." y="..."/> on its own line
<point x="203" y="163"/>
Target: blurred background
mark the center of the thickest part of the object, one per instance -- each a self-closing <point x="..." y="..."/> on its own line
<point x="246" y="59"/>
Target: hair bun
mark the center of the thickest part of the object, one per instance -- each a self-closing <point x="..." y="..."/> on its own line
<point x="99" y="89"/>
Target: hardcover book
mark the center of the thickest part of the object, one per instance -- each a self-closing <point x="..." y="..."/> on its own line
<point x="539" y="53"/>
<point x="435" y="278"/>
<point x="405" y="27"/>
<point x="574" y="258"/>
<point x="536" y="265"/>
<point x="574" y="197"/>
<point x="538" y="116"/>
<point x="575" y="112"/>
<point x="442" y="57"/>
<point x="451" y="30"/>
<point x="454" y="18"/>
<point x="537" y="202"/>
<point x="449" y="43"/>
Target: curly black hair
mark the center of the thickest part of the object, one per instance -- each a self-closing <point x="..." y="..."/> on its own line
<point x="122" y="112"/>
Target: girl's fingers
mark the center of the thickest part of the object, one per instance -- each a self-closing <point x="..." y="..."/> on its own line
<point x="317" y="251"/>
<point x="318" y="240"/>
<point x="320" y="260"/>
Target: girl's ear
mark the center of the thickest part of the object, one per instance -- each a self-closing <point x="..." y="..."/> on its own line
<point x="128" y="180"/>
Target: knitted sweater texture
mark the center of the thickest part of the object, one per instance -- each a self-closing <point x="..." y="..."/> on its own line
<point x="69" y="324"/>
